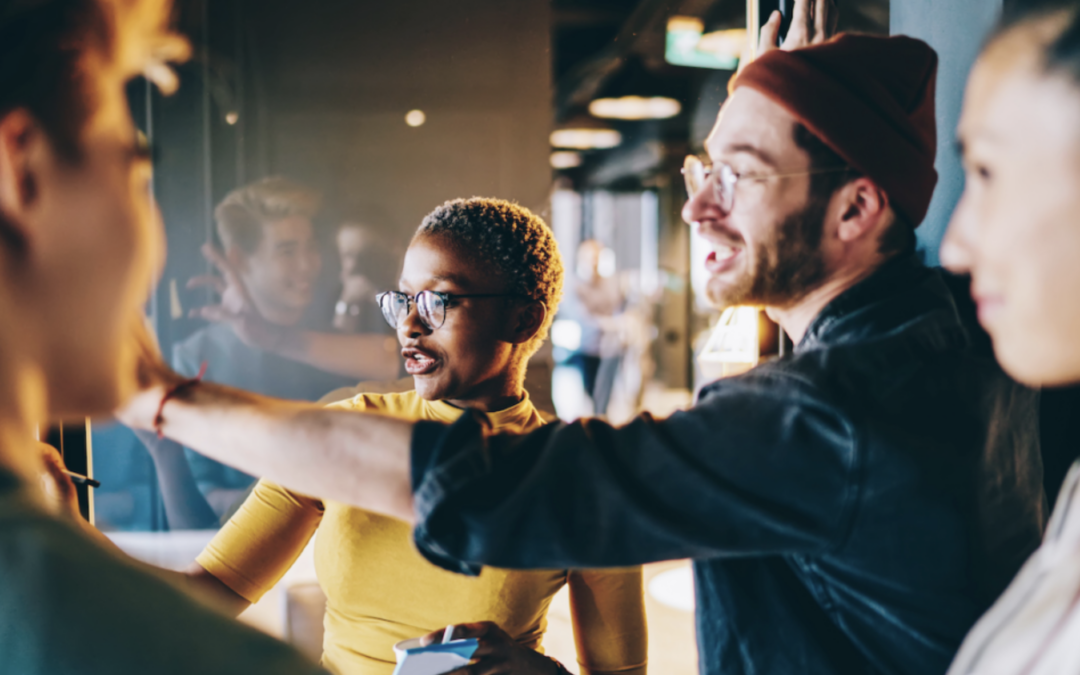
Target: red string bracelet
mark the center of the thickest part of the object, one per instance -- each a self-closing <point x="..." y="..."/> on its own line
<point x="159" y="419"/>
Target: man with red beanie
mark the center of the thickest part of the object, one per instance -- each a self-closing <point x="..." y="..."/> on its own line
<point x="850" y="508"/>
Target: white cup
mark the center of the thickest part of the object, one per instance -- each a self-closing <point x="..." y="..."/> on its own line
<point x="401" y="647"/>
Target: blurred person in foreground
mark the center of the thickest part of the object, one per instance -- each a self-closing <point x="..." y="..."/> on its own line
<point x="853" y="507"/>
<point x="1016" y="230"/>
<point x="79" y="243"/>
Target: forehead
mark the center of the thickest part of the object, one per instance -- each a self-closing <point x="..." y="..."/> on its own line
<point x="751" y="120"/>
<point x="431" y="261"/>
<point x="1013" y="104"/>
<point x="290" y="228"/>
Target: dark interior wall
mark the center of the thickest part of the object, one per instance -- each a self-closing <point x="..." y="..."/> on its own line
<point x="956" y="29"/>
<point x="340" y="76"/>
<point x="321" y="89"/>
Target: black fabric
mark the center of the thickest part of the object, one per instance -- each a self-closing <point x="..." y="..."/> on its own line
<point x="852" y="508"/>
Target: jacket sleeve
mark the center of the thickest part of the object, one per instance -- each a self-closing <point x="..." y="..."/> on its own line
<point x="750" y="470"/>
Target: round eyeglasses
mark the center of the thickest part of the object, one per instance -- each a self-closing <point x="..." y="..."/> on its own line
<point x="697" y="175"/>
<point x="431" y="305"/>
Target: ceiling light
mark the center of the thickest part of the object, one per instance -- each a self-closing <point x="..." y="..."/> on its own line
<point x="585" y="139"/>
<point x="635" y="108"/>
<point x="728" y="44"/>
<point x="415" y="118"/>
<point x="565" y="160"/>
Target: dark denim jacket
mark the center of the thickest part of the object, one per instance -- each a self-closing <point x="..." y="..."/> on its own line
<point x="852" y="508"/>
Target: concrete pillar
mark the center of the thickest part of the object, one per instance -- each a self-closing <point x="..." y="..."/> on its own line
<point x="956" y="29"/>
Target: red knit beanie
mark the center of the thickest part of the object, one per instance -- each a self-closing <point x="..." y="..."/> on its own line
<point x="870" y="99"/>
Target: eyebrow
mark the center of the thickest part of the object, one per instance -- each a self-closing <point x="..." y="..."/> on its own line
<point x="748" y="149"/>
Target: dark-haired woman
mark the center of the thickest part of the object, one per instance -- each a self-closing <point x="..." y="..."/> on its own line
<point x="1017" y="232"/>
<point x="480" y="285"/>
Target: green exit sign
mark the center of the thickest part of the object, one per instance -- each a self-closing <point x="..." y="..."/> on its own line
<point x="688" y="46"/>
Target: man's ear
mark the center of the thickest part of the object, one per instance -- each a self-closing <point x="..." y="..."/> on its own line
<point x="530" y="317"/>
<point x="865" y="207"/>
<point x="20" y="143"/>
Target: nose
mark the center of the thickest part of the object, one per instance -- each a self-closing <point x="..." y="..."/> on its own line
<point x="411" y="326"/>
<point x="956" y="251"/>
<point x="702" y="206"/>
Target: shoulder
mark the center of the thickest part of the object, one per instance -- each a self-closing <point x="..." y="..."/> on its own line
<point x="62" y="583"/>
<point x="207" y="343"/>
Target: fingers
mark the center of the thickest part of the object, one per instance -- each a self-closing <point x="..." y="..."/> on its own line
<point x="479" y="629"/>
<point x="482" y="668"/>
<point x="214" y="313"/>
<point x="799" y="31"/>
<point x="434" y="637"/>
<point x="770" y="34"/>
<point x="213" y="281"/>
<point x="462" y="631"/>
<point x="56" y="482"/>
<point x="211" y="253"/>
<point x="825" y="17"/>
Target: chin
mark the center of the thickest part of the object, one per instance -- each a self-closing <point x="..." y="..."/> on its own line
<point x="1039" y="366"/>
<point x="427" y="388"/>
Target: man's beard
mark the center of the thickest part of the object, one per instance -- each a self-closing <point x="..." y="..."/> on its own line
<point x="787" y="268"/>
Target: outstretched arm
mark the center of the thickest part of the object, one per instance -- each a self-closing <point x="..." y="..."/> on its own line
<point x="754" y="467"/>
<point x="357" y="458"/>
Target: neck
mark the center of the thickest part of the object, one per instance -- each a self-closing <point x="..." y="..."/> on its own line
<point x="796" y="318"/>
<point x="494" y="395"/>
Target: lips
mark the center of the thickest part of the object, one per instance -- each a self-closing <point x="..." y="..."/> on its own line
<point x="419" y="362"/>
<point x="721" y="258"/>
<point x="989" y="306"/>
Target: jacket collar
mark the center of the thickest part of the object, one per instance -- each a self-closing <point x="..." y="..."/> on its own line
<point x="902" y="291"/>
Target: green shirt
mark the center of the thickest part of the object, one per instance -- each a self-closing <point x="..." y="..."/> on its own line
<point x="69" y="605"/>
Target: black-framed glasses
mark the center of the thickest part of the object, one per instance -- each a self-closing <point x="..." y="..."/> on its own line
<point x="698" y="174"/>
<point x="431" y="305"/>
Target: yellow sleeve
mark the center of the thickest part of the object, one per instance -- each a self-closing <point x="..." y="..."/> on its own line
<point x="608" y="608"/>
<point x="262" y="540"/>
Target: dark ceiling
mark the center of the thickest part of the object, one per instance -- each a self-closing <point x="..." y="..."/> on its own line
<point x="593" y="39"/>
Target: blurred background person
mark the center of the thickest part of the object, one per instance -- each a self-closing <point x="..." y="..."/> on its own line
<point x="269" y="240"/>
<point x="596" y="302"/>
<point x="369" y="265"/>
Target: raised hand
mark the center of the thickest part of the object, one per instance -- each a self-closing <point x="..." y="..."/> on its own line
<point x="812" y="22"/>
<point x="237" y="309"/>
<point x="498" y="653"/>
<point x="151" y="377"/>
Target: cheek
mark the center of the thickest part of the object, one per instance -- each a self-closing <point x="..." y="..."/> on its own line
<point x="1035" y="265"/>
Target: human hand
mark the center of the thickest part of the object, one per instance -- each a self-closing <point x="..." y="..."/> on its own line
<point x="497" y="653"/>
<point x="812" y="22"/>
<point x="152" y="378"/>
<point x="237" y="308"/>
<point x="59" y="491"/>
